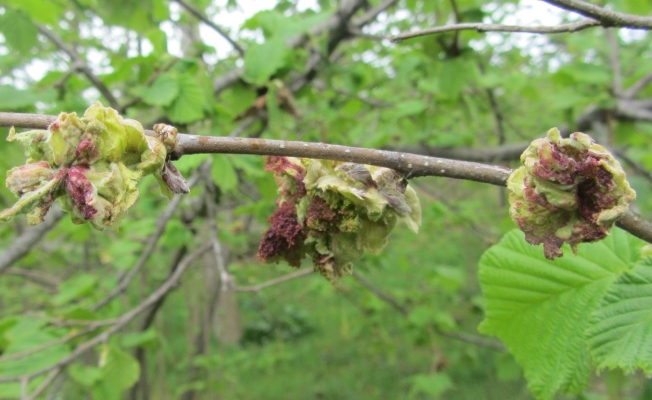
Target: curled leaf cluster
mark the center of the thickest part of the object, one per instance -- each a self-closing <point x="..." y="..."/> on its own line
<point x="92" y="165"/>
<point x="334" y="212"/>
<point x="567" y="191"/>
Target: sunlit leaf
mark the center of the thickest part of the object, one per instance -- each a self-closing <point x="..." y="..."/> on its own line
<point x="19" y="30"/>
<point x="74" y="288"/>
<point x="163" y="91"/>
<point x="263" y="60"/>
<point x="189" y="103"/>
<point x="223" y="173"/>
<point x="25" y="337"/>
<point x="618" y="331"/>
<point x="119" y="371"/>
<point x="540" y="308"/>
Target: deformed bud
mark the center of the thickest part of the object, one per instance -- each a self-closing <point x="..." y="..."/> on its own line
<point x="35" y="202"/>
<point x="173" y="179"/>
<point x="93" y="164"/>
<point x="29" y="177"/>
<point x="567" y="191"/>
<point x="82" y="192"/>
<point x="333" y="213"/>
<point x="167" y="136"/>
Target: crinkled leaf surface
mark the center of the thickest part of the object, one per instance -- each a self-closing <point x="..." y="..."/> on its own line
<point x="619" y="330"/>
<point x="540" y="308"/>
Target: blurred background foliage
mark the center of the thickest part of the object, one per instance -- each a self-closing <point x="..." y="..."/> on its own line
<point x="405" y="325"/>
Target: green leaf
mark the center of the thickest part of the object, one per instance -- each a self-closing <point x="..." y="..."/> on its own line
<point x="16" y="99"/>
<point x="421" y="316"/>
<point x="431" y="385"/>
<point x="619" y="330"/>
<point x="5" y="325"/>
<point x="263" y="60"/>
<point x="19" y="31"/>
<point x="74" y="288"/>
<point x="85" y="375"/>
<point x="120" y="371"/>
<point x="44" y="11"/>
<point x="277" y="25"/>
<point x="160" y="10"/>
<point x="540" y="308"/>
<point x="274" y="113"/>
<point x="455" y="75"/>
<point x="148" y="338"/>
<point x="26" y="335"/>
<point x="223" y="173"/>
<point x="507" y="369"/>
<point x="162" y="92"/>
<point x="189" y="104"/>
<point x="410" y="107"/>
<point x="588" y="73"/>
<point x="159" y="41"/>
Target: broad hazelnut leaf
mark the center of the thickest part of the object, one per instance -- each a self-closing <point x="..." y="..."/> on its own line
<point x="541" y="309"/>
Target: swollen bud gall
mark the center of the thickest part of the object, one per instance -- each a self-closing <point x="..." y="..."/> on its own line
<point x="334" y="212"/>
<point x="92" y="165"/>
<point x="567" y="191"/>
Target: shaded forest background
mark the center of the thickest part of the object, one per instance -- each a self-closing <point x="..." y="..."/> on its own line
<point x="404" y="325"/>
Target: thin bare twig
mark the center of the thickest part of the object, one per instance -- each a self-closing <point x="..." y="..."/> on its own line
<point x="81" y="64"/>
<point x="474" y="339"/>
<point x="44" y="346"/>
<point x="152" y="240"/>
<point x="44" y="385"/>
<point x="38" y="277"/>
<point x="200" y="16"/>
<point x="373" y="13"/>
<point x="275" y="281"/>
<point x="381" y="294"/>
<point x="481" y="27"/>
<point x="640" y="169"/>
<point x="83" y="322"/>
<point x="123" y="321"/>
<point x="606" y="17"/>
<point x="148" y="320"/>
<point x="638" y="86"/>
<point x="506" y="152"/>
<point x="225" y="277"/>
<point x="411" y="165"/>
<point x="335" y="26"/>
<point x="461" y="336"/>
<point x="614" y="61"/>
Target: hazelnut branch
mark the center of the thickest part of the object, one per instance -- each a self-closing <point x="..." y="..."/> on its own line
<point x="411" y="165"/>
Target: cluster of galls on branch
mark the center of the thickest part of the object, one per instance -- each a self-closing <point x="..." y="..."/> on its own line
<point x="93" y="165"/>
<point x="567" y="191"/>
<point x="334" y="212"/>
